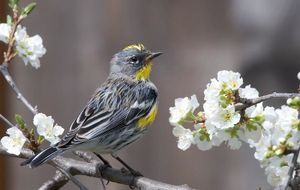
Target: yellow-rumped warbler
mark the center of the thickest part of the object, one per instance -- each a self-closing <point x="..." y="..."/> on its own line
<point x="118" y="112"/>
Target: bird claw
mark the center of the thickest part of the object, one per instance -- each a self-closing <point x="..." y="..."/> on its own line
<point x="133" y="172"/>
<point x="131" y="186"/>
<point x="134" y="175"/>
<point x="101" y="168"/>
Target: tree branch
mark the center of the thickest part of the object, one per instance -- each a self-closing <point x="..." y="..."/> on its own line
<point x="245" y="103"/>
<point x="56" y="182"/>
<point x="9" y="55"/>
<point x="8" y="78"/>
<point x="6" y="121"/>
<point x="76" y="167"/>
<point x="292" y="170"/>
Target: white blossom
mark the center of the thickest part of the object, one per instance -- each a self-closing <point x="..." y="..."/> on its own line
<point x="219" y="137"/>
<point x="210" y="107"/>
<point x="46" y="128"/>
<point x="185" y="137"/>
<point x="251" y="131"/>
<point x="212" y="90"/>
<point x="225" y="117"/>
<point x="231" y="79"/>
<point x="293" y="141"/>
<point x="268" y="130"/>
<point x="276" y="132"/>
<point x="255" y="111"/>
<point x="4" y="32"/>
<point x="298" y="75"/>
<point x="30" y="49"/>
<point x="287" y="117"/>
<point x="183" y="106"/>
<point x="203" y="145"/>
<point x="261" y="147"/>
<point x="250" y="136"/>
<point x="201" y="137"/>
<point x="270" y="114"/>
<point x="20" y="33"/>
<point x="248" y="92"/>
<point x="277" y="170"/>
<point x="234" y="143"/>
<point x="14" y="142"/>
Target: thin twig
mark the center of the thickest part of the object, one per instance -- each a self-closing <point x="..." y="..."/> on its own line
<point x="17" y="19"/>
<point x="6" y="121"/>
<point x="9" y="55"/>
<point x="292" y="168"/>
<point x="244" y="103"/>
<point x="10" y="81"/>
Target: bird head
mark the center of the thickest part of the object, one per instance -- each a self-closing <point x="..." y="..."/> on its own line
<point x="134" y="60"/>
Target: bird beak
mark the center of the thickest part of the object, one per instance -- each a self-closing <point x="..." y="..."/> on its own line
<point x="153" y="55"/>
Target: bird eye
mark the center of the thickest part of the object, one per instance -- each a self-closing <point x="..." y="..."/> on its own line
<point x="133" y="60"/>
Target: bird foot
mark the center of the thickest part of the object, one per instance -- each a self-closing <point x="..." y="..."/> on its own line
<point x="101" y="168"/>
<point x="134" y="174"/>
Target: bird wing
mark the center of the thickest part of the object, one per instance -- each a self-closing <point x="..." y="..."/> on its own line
<point x="111" y="107"/>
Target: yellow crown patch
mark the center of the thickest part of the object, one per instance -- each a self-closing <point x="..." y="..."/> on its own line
<point x="139" y="47"/>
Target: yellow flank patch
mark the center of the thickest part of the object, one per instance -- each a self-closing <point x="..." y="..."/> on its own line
<point x="139" y="47"/>
<point x="148" y="119"/>
<point x="144" y="72"/>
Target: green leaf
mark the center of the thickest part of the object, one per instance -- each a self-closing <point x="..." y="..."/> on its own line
<point x="294" y="102"/>
<point x="40" y="140"/>
<point x="200" y="114"/>
<point x="32" y="132"/>
<point x="296" y="125"/>
<point x="20" y="121"/>
<point x="251" y="126"/>
<point x="190" y="115"/>
<point x="28" y="9"/>
<point x="9" y="20"/>
<point x="181" y="122"/>
<point x="284" y="163"/>
<point x="13" y="3"/>
<point x="224" y="101"/>
<point x="269" y="154"/>
<point x="204" y="136"/>
<point x="289" y="135"/>
<point x="233" y="132"/>
<point x="259" y="119"/>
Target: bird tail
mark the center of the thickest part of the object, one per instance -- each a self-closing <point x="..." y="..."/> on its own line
<point x="42" y="157"/>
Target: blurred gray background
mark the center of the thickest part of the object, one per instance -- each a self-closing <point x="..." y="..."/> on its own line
<point x="259" y="38"/>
